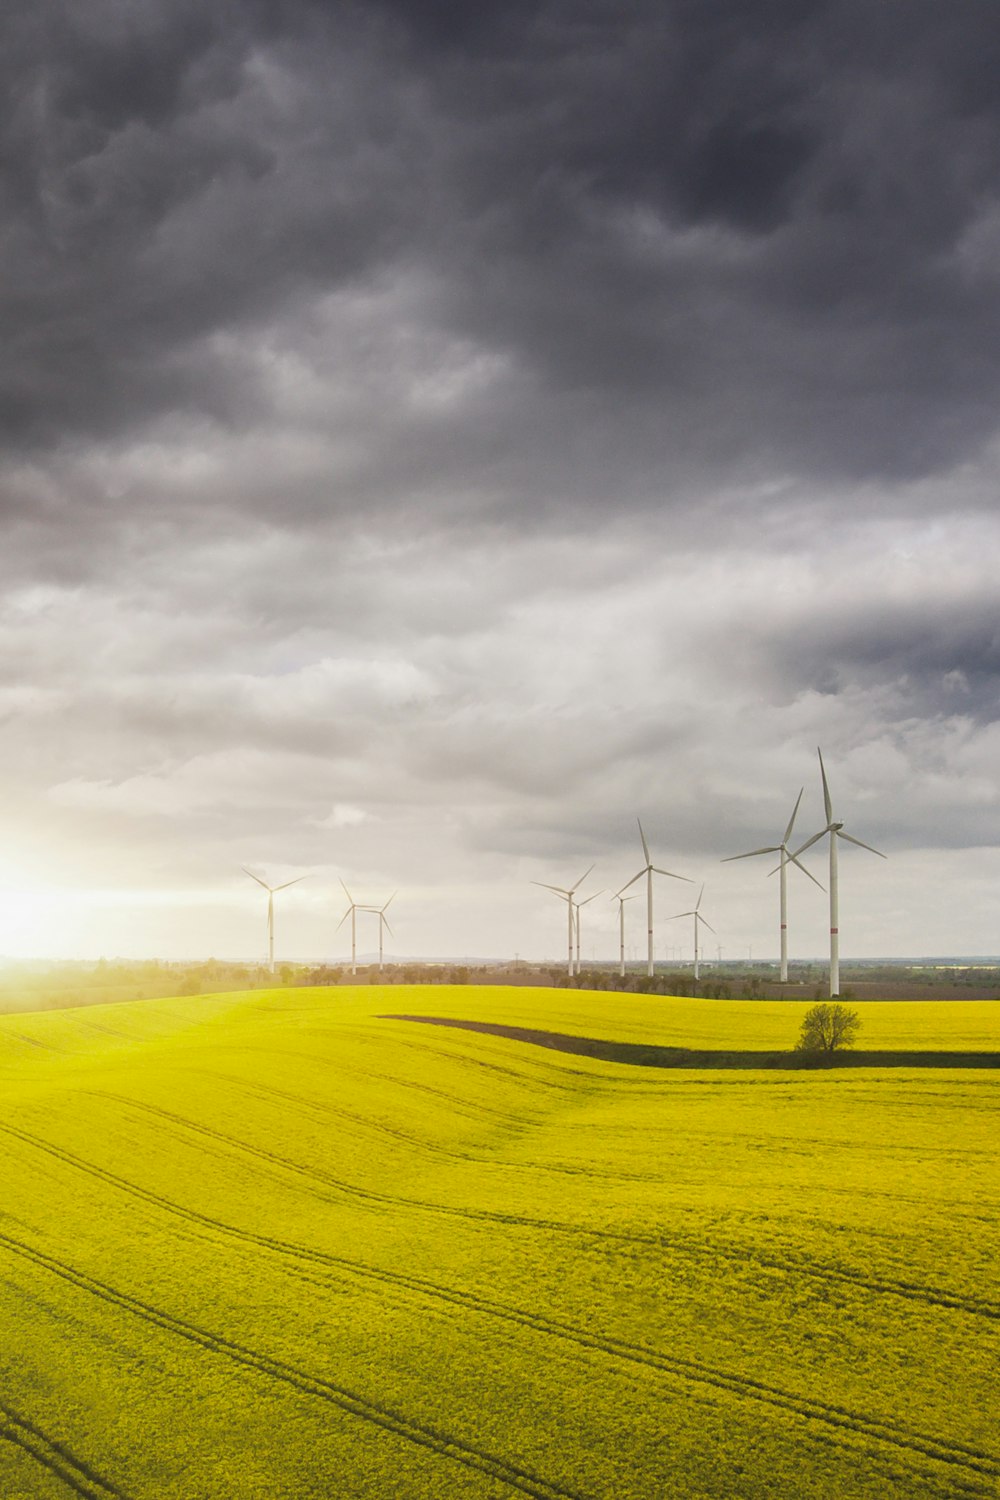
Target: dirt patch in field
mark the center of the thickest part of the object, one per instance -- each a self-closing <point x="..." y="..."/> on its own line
<point x="645" y="1055"/>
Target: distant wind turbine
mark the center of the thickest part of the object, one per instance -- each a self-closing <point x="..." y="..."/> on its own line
<point x="621" y="929"/>
<point x="567" y="896"/>
<point x="383" y="922"/>
<point x="352" y="912"/>
<point x="786" y="860"/>
<point x="697" y="918"/>
<point x="649" y="870"/>
<point x="576" y="910"/>
<point x="271" y="889"/>
<point x="836" y="831"/>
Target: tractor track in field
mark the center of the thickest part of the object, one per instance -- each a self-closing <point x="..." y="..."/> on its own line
<point x="838" y="1422"/>
<point x="315" y="1175"/>
<point x="55" y="1457"/>
<point x="802" y="1265"/>
<point x="317" y="1110"/>
<point x="472" y="1108"/>
<point x="388" y="1419"/>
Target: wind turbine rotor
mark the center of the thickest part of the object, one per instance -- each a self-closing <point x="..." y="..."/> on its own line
<point x="852" y="840"/>
<point x="793" y="861"/>
<point x="827" y="799"/>
<point x="767" y="849"/>
<point x="791" y="821"/>
<point x="809" y="843"/>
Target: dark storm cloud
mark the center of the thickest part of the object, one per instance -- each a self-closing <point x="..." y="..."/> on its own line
<point x="701" y="239"/>
<point x="941" y="655"/>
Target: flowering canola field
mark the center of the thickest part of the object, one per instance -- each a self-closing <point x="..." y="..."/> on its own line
<point x="276" y="1245"/>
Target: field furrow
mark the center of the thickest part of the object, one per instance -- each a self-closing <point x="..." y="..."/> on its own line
<point x="275" y="1244"/>
<point x="445" y="1445"/>
<point x="941" y="1450"/>
<point x="55" y="1457"/>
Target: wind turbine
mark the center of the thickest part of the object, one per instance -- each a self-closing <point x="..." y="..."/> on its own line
<point x="621" y="929"/>
<point x="352" y="912"/>
<point x="786" y="860"/>
<point x="567" y="896"/>
<point x="383" y="922"/>
<point x="697" y="918"/>
<point x="649" y="870"/>
<point x="836" y="831"/>
<point x="576" y="910"/>
<point x="271" y="889"/>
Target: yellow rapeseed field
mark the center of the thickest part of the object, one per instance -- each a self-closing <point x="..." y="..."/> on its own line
<point x="276" y="1245"/>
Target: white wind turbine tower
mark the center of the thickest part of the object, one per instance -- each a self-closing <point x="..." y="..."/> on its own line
<point x="697" y="918"/>
<point x="383" y="922"/>
<point x="352" y="912"/>
<point x="576" y="911"/>
<point x="567" y="896"/>
<point x="786" y="860"/>
<point x="836" y="831"/>
<point x="271" y="889"/>
<point x="621" y="929"/>
<point x="649" y="870"/>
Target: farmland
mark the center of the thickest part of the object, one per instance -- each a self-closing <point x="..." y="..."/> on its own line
<point x="275" y="1244"/>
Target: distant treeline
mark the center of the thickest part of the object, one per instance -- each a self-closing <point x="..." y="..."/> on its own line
<point x="60" y="986"/>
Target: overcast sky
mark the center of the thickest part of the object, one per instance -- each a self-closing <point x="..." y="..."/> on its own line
<point x="435" y="434"/>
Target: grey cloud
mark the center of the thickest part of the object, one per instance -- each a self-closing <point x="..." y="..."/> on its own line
<point x="704" y="236"/>
<point x="941" y="655"/>
<point x="435" y="435"/>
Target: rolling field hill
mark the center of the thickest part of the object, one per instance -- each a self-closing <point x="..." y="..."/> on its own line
<point x="279" y="1245"/>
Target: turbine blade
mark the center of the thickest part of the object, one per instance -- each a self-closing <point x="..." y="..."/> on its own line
<point x="288" y="883"/>
<point x="385" y="919"/>
<point x="791" y="821"/>
<point x="594" y="897"/>
<point x="557" y="888"/>
<point x="698" y="902"/>
<point x="768" y="849"/>
<point x="656" y="869"/>
<point x="348" y="894"/>
<point x="391" y="898"/>
<point x="255" y="877"/>
<point x="809" y="843"/>
<point x="582" y="879"/>
<point x="701" y="919"/>
<point x="851" y="840"/>
<point x="793" y="861"/>
<point x="633" y="880"/>
<point x="827" y="802"/>
<point x="343" y="919"/>
<point x="645" y="846"/>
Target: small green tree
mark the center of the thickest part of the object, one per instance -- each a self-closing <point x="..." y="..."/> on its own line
<point x="828" y="1027"/>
